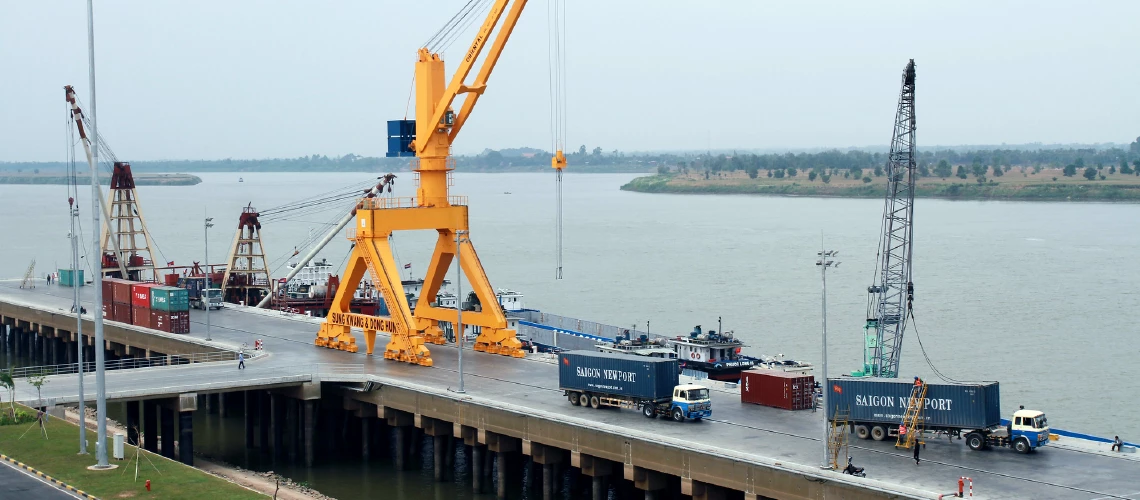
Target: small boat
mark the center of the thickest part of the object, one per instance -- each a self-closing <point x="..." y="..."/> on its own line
<point x="240" y="179"/>
<point x="717" y="354"/>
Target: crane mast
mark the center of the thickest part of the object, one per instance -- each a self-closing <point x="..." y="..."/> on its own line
<point x="890" y="298"/>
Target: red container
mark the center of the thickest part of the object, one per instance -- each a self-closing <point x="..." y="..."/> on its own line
<point x="108" y="312"/>
<point x="160" y="320"/>
<point x="140" y="294"/>
<point x="180" y="322"/>
<point x="121" y="291"/>
<point x="108" y="292"/>
<point x="170" y="279"/>
<point x="790" y="391"/>
<point x="140" y="316"/>
<point x="122" y="312"/>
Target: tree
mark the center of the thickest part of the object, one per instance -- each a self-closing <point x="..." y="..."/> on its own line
<point x="923" y="171"/>
<point x="998" y="171"/>
<point x="779" y="173"/>
<point x="753" y="172"/>
<point x="866" y="180"/>
<point x="812" y="176"/>
<point x="791" y="172"/>
<point x="598" y="151"/>
<point x="978" y="169"/>
<point x="1135" y="146"/>
<point x="1090" y="173"/>
<point x="1070" y="170"/>
<point x="826" y="178"/>
<point x="769" y="174"/>
<point x="582" y="149"/>
<point x="878" y="171"/>
<point x="1124" y="168"/>
<point x="1111" y="169"/>
<point x="1136" y="166"/>
<point x="961" y="171"/>
<point x="9" y="384"/>
<point x="943" y="169"/>
<point x="856" y="172"/>
<point x="662" y="169"/>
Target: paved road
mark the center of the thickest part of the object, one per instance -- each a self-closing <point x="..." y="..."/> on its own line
<point x="745" y="429"/>
<point x="18" y="483"/>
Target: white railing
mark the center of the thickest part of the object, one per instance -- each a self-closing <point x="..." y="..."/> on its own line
<point x="131" y="363"/>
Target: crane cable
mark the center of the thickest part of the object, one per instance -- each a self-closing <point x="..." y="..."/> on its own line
<point x="914" y="326"/>
<point x="556" y="72"/>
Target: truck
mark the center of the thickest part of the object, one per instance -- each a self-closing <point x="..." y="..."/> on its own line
<point x="194" y="286"/>
<point x="649" y="385"/>
<point x="875" y="408"/>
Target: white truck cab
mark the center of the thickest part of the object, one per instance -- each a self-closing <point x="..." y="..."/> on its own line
<point x="1030" y="425"/>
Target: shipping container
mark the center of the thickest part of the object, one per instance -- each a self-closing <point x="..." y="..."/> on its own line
<point x="121" y="291"/>
<point x="66" y="279"/>
<point x="140" y="294"/>
<point x="160" y="320"/>
<point x="621" y="374"/>
<point x="140" y="316"/>
<point x="108" y="312"/>
<point x="170" y="279"/>
<point x="122" y="312"/>
<point x="790" y="391"/>
<point x="169" y="299"/>
<point x="947" y="406"/>
<point x="180" y="322"/>
<point x="108" y="290"/>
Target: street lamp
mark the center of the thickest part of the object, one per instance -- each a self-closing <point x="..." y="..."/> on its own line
<point x="459" y="239"/>
<point x="206" y="293"/>
<point x="75" y="284"/>
<point x="825" y="261"/>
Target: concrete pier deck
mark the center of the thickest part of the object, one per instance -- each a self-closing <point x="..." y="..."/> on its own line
<point x="760" y="451"/>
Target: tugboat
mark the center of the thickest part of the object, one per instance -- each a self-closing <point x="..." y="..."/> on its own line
<point x="717" y="354"/>
<point x="641" y="346"/>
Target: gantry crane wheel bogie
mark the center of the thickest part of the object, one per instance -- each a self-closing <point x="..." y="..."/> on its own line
<point x="435" y="128"/>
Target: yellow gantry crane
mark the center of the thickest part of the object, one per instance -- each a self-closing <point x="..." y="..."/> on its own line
<point x="429" y="138"/>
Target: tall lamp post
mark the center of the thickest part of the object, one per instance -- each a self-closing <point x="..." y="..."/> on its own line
<point x="459" y="240"/>
<point x="206" y="293"/>
<point x="75" y="284"/>
<point x="825" y="261"/>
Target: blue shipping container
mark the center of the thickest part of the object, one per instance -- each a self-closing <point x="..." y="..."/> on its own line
<point x="885" y="400"/>
<point x="635" y="377"/>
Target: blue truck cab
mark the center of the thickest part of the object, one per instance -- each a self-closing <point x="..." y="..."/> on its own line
<point x="1029" y="428"/>
<point x="692" y="401"/>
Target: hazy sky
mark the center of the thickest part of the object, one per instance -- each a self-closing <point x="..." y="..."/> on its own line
<point x="252" y="79"/>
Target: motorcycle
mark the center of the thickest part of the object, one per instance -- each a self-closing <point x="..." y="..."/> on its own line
<point x="853" y="470"/>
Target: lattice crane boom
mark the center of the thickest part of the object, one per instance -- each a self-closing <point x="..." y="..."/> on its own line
<point x="890" y="298"/>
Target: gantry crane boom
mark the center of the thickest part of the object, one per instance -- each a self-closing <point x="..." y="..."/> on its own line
<point x="890" y="298"/>
<point x="428" y="138"/>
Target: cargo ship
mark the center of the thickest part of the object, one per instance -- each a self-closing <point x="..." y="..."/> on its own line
<point x="638" y="346"/>
<point x="716" y="353"/>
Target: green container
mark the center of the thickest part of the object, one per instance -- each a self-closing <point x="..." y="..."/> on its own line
<point x="169" y="299"/>
<point x="66" y="278"/>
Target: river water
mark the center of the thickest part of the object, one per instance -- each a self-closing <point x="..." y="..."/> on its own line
<point x="1039" y="296"/>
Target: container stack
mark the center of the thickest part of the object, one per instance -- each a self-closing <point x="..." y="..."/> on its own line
<point x="117" y="300"/>
<point x="169" y="309"/>
<point x="140" y="304"/>
<point x="790" y="391"/>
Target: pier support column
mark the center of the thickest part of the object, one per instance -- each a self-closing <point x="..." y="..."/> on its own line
<point x="597" y="468"/>
<point x="277" y="422"/>
<point x="68" y="352"/>
<point x="503" y="446"/>
<point x="222" y="405"/>
<point x="290" y="427"/>
<point x="401" y="422"/>
<point x="150" y="426"/>
<point x="477" y="451"/>
<point x="249" y="407"/>
<point x="547" y="457"/>
<point x="263" y="418"/>
<point x="702" y="491"/>
<point x="187" y="404"/>
<point x="133" y="423"/>
<point x="310" y="430"/>
<point x="439" y="431"/>
<point x="365" y="437"/>
<point x="167" y="432"/>
<point x="647" y="480"/>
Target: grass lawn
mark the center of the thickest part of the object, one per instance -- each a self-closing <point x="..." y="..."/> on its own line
<point x="57" y="457"/>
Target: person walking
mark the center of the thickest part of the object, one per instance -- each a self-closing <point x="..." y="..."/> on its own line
<point x="241" y="360"/>
<point x="1117" y="444"/>
<point x="917" y="445"/>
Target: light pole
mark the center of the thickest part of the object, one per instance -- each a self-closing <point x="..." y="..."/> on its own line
<point x="97" y="266"/>
<point x="825" y="261"/>
<point x="459" y="239"/>
<point x="75" y="284"/>
<point x="206" y="293"/>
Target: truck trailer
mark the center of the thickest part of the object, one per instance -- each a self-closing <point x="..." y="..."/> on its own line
<point x="650" y="385"/>
<point x="875" y="408"/>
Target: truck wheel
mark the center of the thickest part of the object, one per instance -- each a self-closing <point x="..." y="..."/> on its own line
<point x="648" y="410"/>
<point x="862" y="432"/>
<point x="1022" y="445"/>
<point x="678" y="415"/>
<point x="584" y="399"/>
<point x="975" y="441"/>
<point x="595" y="403"/>
<point x="878" y="433"/>
<point x="574" y="398"/>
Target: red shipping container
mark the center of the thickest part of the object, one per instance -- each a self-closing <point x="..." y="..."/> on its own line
<point x="180" y="322"/>
<point x="108" y="292"/>
<point x="140" y="316"/>
<point x="790" y="391"/>
<point x="108" y="312"/>
<point x="140" y="294"/>
<point x="160" y="320"/>
<point x="122" y="312"/>
<point x="121" y="291"/>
